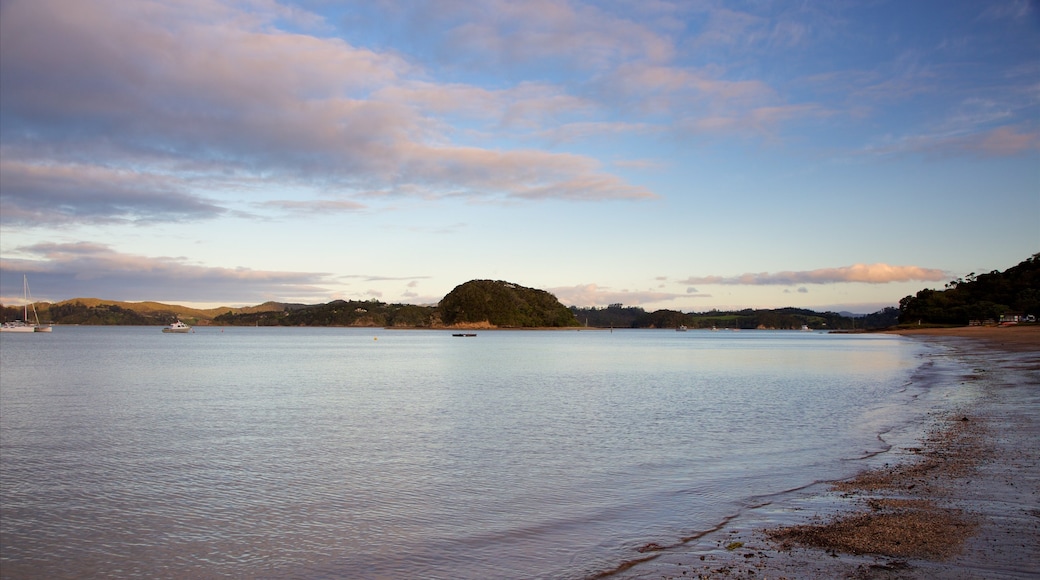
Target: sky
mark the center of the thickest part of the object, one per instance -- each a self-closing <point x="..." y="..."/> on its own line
<point x="690" y="155"/>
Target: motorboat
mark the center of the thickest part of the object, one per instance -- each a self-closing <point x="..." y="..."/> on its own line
<point x="177" y="328"/>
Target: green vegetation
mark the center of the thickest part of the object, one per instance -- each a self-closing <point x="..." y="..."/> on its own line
<point x="76" y="312"/>
<point x="618" y="316"/>
<point x="979" y="297"/>
<point x="478" y="302"/>
<point x="504" y="305"/>
<point x="335" y="313"/>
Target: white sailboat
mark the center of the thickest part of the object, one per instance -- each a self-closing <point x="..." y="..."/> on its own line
<point x="16" y="326"/>
<point x="24" y="325"/>
<point x="37" y="327"/>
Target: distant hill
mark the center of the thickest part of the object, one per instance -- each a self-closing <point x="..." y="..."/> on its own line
<point x="368" y="313"/>
<point x="97" y="311"/>
<point x="496" y="303"/>
<point x="618" y="316"/>
<point x="978" y="297"/>
<point x="502" y="304"/>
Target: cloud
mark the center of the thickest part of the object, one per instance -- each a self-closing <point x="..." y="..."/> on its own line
<point x="315" y="206"/>
<point x="584" y="295"/>
<point x="81" y="270"/>
<point x="55" y="193"/>
<point x="222" y="96"/>
<point x="585" y="36"/>
<point x="1013" y="10"/>
<point x="1003" y="141"/>
<point x="862" y="273"/>
<point x="528" y="105"/>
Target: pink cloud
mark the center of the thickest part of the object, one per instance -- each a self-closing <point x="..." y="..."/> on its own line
<point x="593" y="295"/>
<point x="316" y="206"/>
<point x="1004" y="141"/>
<point x="861" y="273"/>
<point x="40" y="192"/>
<point x="84" y="269"/>
<point x="219" y="82"/>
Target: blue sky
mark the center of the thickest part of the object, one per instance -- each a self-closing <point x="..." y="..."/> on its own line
<point x="687" y="155"/>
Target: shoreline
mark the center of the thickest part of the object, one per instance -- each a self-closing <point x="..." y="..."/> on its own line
<point x="961" y="504"/>
<point x="1016" y="338"/>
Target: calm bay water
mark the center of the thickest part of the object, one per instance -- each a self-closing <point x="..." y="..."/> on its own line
<point x="370" y="453"/>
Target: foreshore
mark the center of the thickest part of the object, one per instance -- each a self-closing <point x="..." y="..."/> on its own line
<point x="963" y="504"/>
<point x="1017" y="338"/>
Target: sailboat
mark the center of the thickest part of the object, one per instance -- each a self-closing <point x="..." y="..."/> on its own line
<point x="37" y="327"/>
<point x="24" y="325"/>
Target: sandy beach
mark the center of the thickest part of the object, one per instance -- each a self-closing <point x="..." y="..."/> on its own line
<point x="962" y="504"/>
<point x="1019" y="338"/>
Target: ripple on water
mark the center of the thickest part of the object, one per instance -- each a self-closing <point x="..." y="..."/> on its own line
<point x="323" y="453"/>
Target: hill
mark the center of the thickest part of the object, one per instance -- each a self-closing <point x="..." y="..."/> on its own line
<point x="475" y="304"/>
<point x="368" y="313"/>
<point x="491" y="304"/>
<point x="978" y="297"/>
<point x="97" y="311"/>
<point x="496" y="303"/>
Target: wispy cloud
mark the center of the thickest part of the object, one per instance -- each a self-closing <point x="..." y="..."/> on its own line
<point x="315" y="206"/>
<point x="55" y="193"/>
<point x="594" y="295"/>
<point x="1004" y="141"/>
<point x="861" y="273"/>
<point x="81" y="270"/>
<point x="1010" y="9"/>
<point x="585" y="35"/>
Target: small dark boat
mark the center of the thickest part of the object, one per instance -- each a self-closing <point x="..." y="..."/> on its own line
<point x="465" y="334"/>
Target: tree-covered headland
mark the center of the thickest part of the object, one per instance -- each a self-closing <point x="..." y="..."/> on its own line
<point x="978" y="297"/>
<point x="504" y="305"/>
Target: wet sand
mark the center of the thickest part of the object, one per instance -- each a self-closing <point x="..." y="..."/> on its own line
<point x="963" y="504"/>
<point x="1019" y="338"/>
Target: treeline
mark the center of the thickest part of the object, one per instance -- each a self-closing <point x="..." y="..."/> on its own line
<point x="496" y="303"/>
<point x="102" y="314"/>
<point x="978" y="297"/>
<point x="506" y="305"/>
<point x="619" y="316"/>
<point x="336" y="313"/>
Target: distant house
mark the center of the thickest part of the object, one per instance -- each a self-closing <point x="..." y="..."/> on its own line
<point x="1011" y="318"/>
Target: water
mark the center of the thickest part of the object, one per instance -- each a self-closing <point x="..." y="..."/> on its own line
<point x="370" y="453"/>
